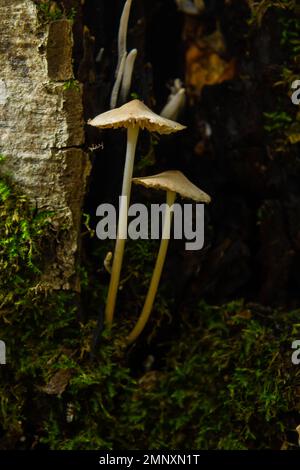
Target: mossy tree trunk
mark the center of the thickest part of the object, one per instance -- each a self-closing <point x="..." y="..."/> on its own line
<point x="42" y="128"/>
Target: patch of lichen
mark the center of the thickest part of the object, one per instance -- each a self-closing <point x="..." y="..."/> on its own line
<point x="225" y="381"/>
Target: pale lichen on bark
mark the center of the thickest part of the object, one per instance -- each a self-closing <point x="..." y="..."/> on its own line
<point x="41" y="126"/>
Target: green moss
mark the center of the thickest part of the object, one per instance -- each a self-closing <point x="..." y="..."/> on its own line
<point x="50" y="10"/>
<point x="21" y="239"/>
<point x="277" y="121"/>
<point x="228" y="383"/>
<point x="72" y="85"/>
<point x="25" y="312"/>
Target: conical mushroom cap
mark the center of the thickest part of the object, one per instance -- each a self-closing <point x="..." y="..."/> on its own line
<point x="135" y="113"/>
<point x="174" y="181"/>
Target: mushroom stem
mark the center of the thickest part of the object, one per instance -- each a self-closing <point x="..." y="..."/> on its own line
<point x="122" y="35"/>
<point x="117" y="84"/>
<point x="144" y="316"/>
<point x="127" y="74"/>
<point x="132" y="136"/>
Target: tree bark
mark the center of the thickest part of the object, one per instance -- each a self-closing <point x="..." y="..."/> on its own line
<point x="42" y="128"/>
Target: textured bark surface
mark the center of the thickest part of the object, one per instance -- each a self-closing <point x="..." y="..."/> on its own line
<point x="42" y="129"/>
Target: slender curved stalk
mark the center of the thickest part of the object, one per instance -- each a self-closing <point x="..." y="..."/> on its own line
<point x="122" y="53"/>
<point x="122" y="35"/>
<point x="132" y="136"/>
<point x="117" y="84"/>
<point x="127" y="74"/>
<point x="175" y="104"/>
<point x="144" y="316"/>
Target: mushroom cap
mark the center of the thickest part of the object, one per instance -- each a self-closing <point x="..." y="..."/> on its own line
<point x="135" y="113"/>
<point x="174" y="181"/>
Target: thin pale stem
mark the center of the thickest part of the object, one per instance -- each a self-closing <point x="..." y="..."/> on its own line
<point x="117" y="84"/>
<point x="122" y="35"/>
<point x="144" y="316"/>
<point x="127" y="75"/>
<point x="132" y="136"/>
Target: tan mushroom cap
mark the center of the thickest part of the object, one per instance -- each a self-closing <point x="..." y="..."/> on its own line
<point x="174" y="181"/>
<point x="135" y="113"/>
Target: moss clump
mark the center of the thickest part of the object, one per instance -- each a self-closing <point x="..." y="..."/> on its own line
<point x="29" y="320"/>
<point x="50" y="10"/>
<point x="22" y="232"/>
<point x="71" y="85"/>
<point x="228" y="383"/>
<point x="48" y="343"/>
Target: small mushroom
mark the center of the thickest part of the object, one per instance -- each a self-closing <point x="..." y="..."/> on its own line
<point x="117" y="84"/>
<point x="127" y="75"/>
<point x="173" y="182"/>
<point x="122" y="53"/>
<point x="176" y="101"/>
<point x="133" y="116"/>
<point x="122" y="34"/>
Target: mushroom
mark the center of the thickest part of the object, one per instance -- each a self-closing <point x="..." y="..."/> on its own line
<point x="125" y="61"/>
<point x="133" y="116"/>
<point x="173" y="182"/>
<point x="176" y="101"/>
<point x="127" y="75"/>
<point x="122" y="34"/>
<point x="117" y="84"/>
